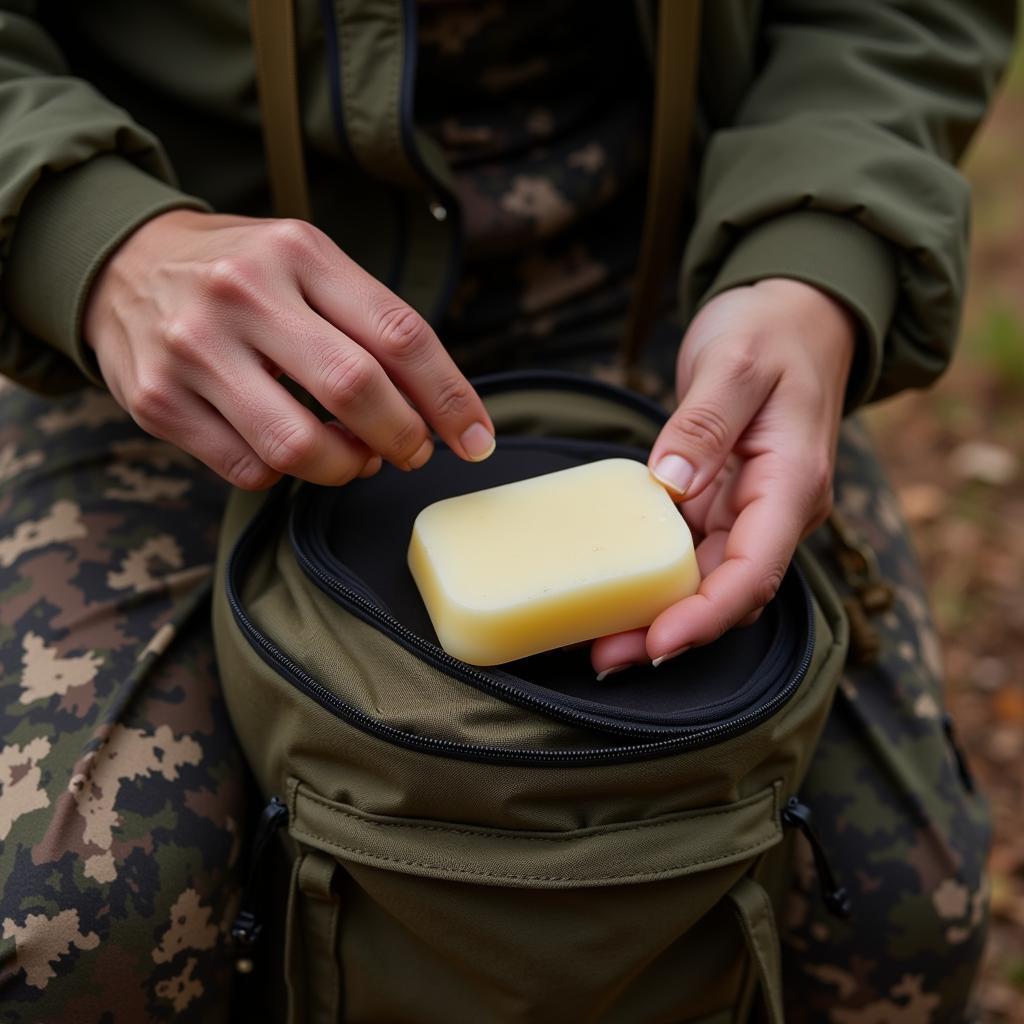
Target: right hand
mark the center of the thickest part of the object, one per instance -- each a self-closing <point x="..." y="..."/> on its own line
<point x="196" y="315"/>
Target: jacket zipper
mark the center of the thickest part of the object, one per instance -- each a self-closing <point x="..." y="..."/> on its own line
<point x="442" y="196"/>
<point x="837" y="900"/>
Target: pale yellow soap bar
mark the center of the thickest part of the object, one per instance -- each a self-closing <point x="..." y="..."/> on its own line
<point x="553" y="560"/>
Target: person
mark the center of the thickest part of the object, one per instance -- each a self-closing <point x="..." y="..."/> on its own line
<point x="477" y="179"/>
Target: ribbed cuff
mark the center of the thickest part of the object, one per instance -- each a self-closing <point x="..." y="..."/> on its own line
<point x="70" y="223"/>
<point x="838" y="256"/>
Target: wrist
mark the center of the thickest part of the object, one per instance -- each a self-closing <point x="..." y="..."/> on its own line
<point x="137" y="251"/>
<point x="822" y="319"/>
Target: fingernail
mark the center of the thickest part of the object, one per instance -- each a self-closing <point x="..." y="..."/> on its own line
<point x="423" y="453"/>
<point x="671" y="654"/>
<point x="477" y="442"/>
<point x="674" y="472"/>
<point x="602" y="676"/>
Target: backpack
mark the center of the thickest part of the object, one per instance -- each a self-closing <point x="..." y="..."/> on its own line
<point x="522" y="842"/>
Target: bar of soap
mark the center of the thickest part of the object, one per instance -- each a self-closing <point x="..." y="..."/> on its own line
<point x="534" y="565"/>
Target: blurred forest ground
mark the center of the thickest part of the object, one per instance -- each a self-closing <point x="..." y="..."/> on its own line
<point x="955" y="455"/>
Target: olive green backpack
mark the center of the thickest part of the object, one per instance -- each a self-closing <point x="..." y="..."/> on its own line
<point x="517" y="843"/>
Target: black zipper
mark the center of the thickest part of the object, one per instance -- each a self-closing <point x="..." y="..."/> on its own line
<point x="321" y="568"/>
<point x="837" y="900"/>
<point x="286" y="667"/>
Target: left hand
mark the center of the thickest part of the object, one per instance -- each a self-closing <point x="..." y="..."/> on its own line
<point x="750" y="452"/>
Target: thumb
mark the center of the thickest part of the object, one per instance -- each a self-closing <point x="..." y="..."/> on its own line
<point x="725" y="394"/>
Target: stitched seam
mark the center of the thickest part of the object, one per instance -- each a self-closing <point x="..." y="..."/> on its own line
<point x="484" y="834"/>
<point x="755" y="949"/>
<point x="332" y="845"/>
<point x="345" y="49"/>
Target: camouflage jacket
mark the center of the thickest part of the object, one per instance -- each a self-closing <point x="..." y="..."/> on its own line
<point x="827" y="133"/>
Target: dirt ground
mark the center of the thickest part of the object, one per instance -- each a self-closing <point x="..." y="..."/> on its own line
<point x="956" y="457"/>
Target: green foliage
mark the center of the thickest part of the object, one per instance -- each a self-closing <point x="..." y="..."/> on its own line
<point x="1014" y="972"/>
<point x="1015" y="72"/>
<point x="998" y="344"/>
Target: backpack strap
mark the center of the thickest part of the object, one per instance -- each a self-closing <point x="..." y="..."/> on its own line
<point x="674" y="102"/>
<point x="756" y="918"/>
<point x="273" y="39"/>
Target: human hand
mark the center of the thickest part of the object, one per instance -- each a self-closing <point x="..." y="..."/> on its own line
<point x="196" y="315"/>
<point x="750" y="451"/>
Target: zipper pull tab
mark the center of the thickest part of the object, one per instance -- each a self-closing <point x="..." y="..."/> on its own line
<point x="837" y="899"/>
<point x="247" y="927"/>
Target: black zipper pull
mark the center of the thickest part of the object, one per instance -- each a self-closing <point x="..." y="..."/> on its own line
<point x="837" y="899"/>
<point x="247" y="927"/>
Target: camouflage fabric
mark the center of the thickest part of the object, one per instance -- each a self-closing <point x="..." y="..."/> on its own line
<point x="894" y="808"/>
<point x="121" y="789"/>
<point x="122" y="795"/>
<point x="543" y="117"/>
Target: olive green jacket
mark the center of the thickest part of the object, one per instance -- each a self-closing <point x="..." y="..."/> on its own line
<point x="827" y="132"/>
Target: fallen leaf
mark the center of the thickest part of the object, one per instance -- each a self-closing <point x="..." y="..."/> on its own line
<point x="921" y="503"/>
<point x="1006" y="743"/>
<point x="1008" y="704"/>
<point x="985" y="462"/>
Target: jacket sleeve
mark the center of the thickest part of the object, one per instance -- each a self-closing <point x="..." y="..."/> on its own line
<point x="838" y="170"/>
<point x="77" y="175"/>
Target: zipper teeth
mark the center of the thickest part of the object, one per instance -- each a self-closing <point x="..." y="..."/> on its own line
<point x="332" y="582"/>
<point x="349" y="713"/>
<point x="439" y="658"/>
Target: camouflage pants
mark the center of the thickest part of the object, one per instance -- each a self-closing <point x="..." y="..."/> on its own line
<point x="123" y="795"/>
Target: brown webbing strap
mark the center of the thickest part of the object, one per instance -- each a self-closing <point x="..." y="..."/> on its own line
<point x="273" y="40"/>
<point x="674" y="100"/>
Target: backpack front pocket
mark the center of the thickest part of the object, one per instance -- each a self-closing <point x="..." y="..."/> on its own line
<point x="401" y="919"/>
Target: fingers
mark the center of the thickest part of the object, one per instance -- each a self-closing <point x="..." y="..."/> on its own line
<point x="610" y="654"/>
<point x="349" y="382"/>
<point x="728" y="387"/>
<point x="282" y="433"/>
<point x="776" y="500"/>
<point x="400" y="341"/>
<point x="196" y="427"/>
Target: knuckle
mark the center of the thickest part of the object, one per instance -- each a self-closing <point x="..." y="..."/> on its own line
<point x="720" y="625"/>
<point x="405" y="441"/>
<point x="151" y="403"/>
<point x="347" y="376"/>
<point x="453" y="398"/>
<point x="230" y="278"/>
<point x="818" y="475"/>
<point x="245" y="471"/>
<point x="292" y="237"/>
<point x="703" y="427"/>
<point x="768" y="585"/>
<point x="287" y="446"/>
<point x="745" y="364"/>
<point x="400" y="331"/>
<point x="183" y="337"/>
<point x="822" y="510"/>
